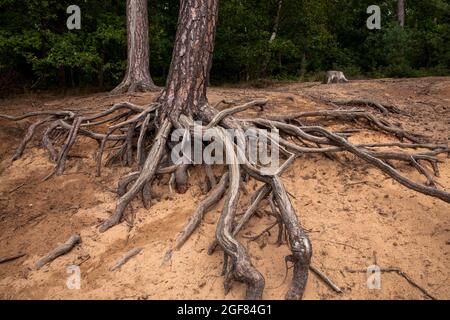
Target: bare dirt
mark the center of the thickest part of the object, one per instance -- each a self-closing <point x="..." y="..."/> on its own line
<point x="355" y="215"/>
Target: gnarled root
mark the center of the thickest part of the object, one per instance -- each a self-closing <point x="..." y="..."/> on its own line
<point x="242" y="268"/>
<point x="298" y="240"/>
<point x="139" y="138"/>
<point x="148" y="171"/>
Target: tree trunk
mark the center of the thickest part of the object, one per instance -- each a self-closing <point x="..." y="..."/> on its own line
<point x="276" y="24"/>
<point x="401" y="12"/>
<point x="303" y="65"/>
<point x="188" y="78"/>
<point x="273" y="36"/>
<point x="137" y="77"/>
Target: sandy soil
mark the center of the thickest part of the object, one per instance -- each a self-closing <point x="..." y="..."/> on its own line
<point x="356" y="216"/>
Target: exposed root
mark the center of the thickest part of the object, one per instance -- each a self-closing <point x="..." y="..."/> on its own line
<point x="242" y="268"/>
<point x="12" y="258"/>
<point x="148" y="171"/>
<point x="326" y="137"/>
<point x="402" y="274"/>
<point x="147" y="195"/>
<point x="137" y="136"/>
<point x="299" y="242"/>
<point x="181" y="178"/>
<point x="353" y="115"/>
<point x="261" y="234"/>
<point x="28" y="137"/>
<point x="194" y="222"/>
<point x="127" y="257"/>
<point x="260" y="195"/>
<point x="383" y="108"/>
<point x="128" y="86"/>
<point x="228" y="112"/>
<point x="276" y="213"/>
<point x="59" y="251"/>
<point x="60" y="163"/>
<point x="325" y="279"/>
<point x="212" y="181"/>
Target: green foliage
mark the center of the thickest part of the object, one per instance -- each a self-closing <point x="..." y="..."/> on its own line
<point x="313" y="36"/>
<point x="391" y="51"/>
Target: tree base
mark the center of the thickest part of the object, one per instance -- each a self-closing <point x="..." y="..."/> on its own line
<point x="132" y="87"/>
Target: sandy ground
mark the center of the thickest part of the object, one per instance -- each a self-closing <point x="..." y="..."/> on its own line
<point x="355" y="215"/>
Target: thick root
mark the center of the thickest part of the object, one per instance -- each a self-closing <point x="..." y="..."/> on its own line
<point x="148" y="171"/>
<point x="298" y="240"/>
<point x="242" y="268"/>
<point x="139" y="126"/>
<point x="59" y="251"/>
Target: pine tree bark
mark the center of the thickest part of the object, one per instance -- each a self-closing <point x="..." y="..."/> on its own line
<point x="188" y="78"/>
<point x="401" y="12"/>
<point x="137" y="77"/>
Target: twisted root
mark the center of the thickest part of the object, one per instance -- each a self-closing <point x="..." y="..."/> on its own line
<point x="143" y="144"/>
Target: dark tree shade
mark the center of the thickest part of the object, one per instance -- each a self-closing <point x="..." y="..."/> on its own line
<point x="38" y="51"/>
